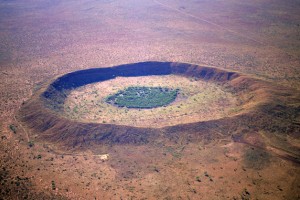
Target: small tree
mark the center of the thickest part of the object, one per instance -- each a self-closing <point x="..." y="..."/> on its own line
<point x="13" y="128"/>
<point x="30" y="144"/>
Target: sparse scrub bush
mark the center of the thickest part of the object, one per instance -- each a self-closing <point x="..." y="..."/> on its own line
<point x="53" y="185"/>
<point x="256" y="158"/>
<point x="30" y="143"/>
<point x="13" y="128"/>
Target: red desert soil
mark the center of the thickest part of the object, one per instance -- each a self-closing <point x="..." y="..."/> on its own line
<point x="224" y="158"/>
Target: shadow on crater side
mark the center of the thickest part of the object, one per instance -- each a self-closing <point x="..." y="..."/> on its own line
<point x="59" y="89"/>
<point x="262" y="109"/>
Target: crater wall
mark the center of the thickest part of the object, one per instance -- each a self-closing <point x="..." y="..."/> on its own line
<point x="41" y="113"/>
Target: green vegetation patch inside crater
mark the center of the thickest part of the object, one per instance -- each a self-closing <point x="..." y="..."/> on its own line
<point x="143" y="97"/>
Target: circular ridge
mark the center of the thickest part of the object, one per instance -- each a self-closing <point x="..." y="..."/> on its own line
<point x="40" y="113"/>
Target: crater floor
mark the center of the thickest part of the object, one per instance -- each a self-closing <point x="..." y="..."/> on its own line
<point x="197" y="100"/>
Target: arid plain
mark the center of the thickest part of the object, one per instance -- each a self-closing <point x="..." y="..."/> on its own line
<point x="219" y="159"/>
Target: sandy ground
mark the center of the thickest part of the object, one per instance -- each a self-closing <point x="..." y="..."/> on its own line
<point x="43" y="39"/>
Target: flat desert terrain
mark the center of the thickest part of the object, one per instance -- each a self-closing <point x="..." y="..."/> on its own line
<point x="232" y="132"/>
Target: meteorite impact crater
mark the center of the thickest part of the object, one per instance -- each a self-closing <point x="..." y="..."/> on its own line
<point x="142" y="102"/>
